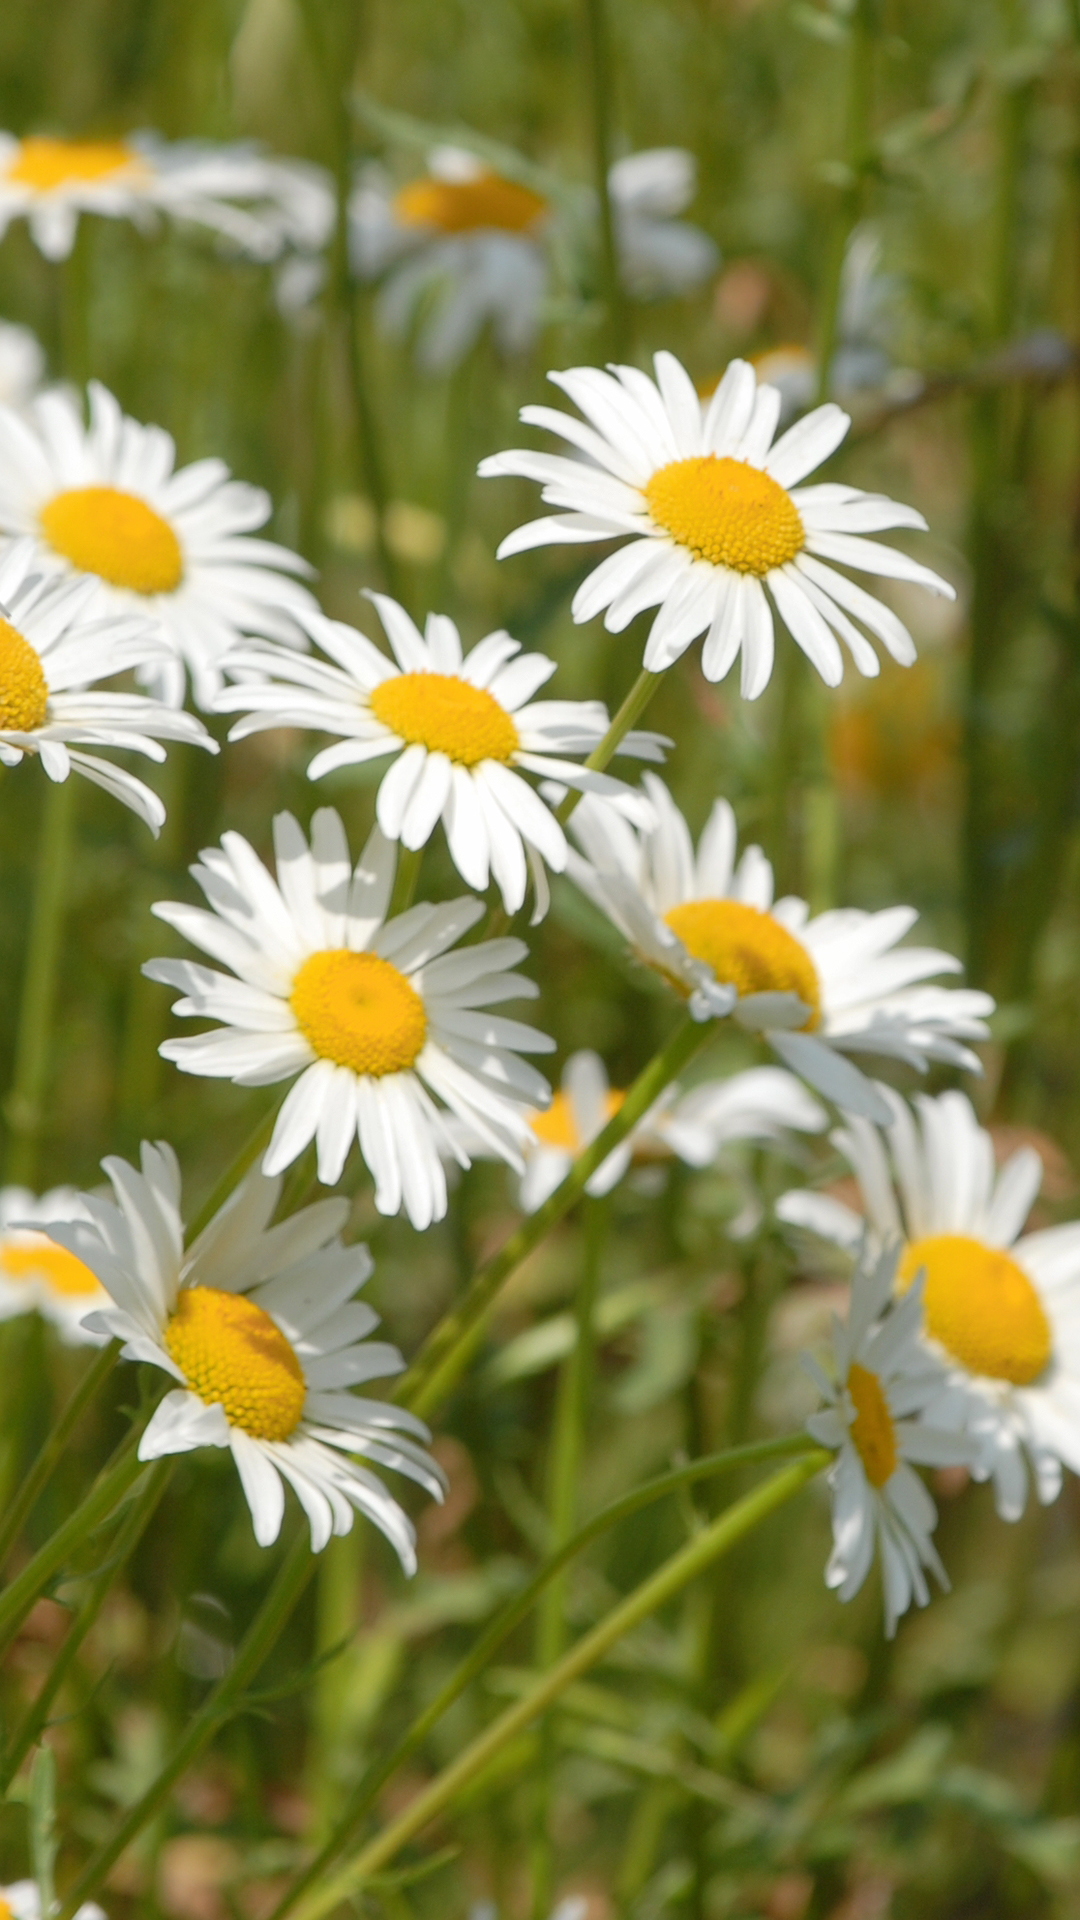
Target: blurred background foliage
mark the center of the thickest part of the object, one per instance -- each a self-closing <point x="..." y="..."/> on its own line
<point x="759" y="1751"/>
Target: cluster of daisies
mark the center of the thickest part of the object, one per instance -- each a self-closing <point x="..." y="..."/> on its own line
<point x="384" y="1015"/>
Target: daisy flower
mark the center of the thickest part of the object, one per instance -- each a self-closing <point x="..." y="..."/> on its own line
<point x="658" y="253"/>
<point x="53" y="645"/>
<point x="260" y="1326"/>
<point x="172" y="545"/>
<point x="818" y="989"/>
<point x="256" y="202"/>
<point x="878" y="1389"/>
<point x="714" y="515"/>
<point x="22" y="1901"/>
<point x="37" y="1276"/>
<point x="1002" y="1306"/>
<point x="375" y="1015"/>
<point x="461" y="730"/>
<point x="693" y="1126"/>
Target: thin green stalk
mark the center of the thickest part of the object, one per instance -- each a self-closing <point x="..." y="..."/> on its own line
<point x="35" y="1719"/>
<point x="863" y="22"/>
<point x="292" y="1577"/>
<point x="25" y="1106"/>
<point x="629" y="713"/>
<point x="258" y="1139"/>
<point x="448" y="1348"/>
<point x="46" y="1463"/>
<point x="511" y="1615"/>
<point x="408" y="873"/>
<point x="104" y="1497"/>
<point x="695" y="1558"/>
<point x="601" y="92"/>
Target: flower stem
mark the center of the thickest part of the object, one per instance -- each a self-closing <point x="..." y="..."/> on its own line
<point x="138" y="1518"/>
<point x="408" y="873"/>
<point x="687" y="1564"/>
<point x="511" y="1615"/>
<point x="25" y="1106"/>
<point x="104" y="1497"/>
<point x="631" y="710"/>
<point x="849" y="209"/>
<point x="45" y="1465"/>
<point x="447" y="1350"/>
<point x="292" y="1577"/>
<point x="598" y="58"/>
<point x="257" y="1140"/>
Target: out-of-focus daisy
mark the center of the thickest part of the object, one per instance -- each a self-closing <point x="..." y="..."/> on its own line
<point x="879" y="1387"/>
<point x="461" y="729"/>
<point x="37" y="1276"/>
<point x="375" y="1015"/>
<point x="22" y="1901"/>
<point x="659" y="254"/>
<point x="22" y="364"/>
<point x="54" y="643"/>
<point x="171" y="544"/>
<point x="759" y="1105"/>
<point x="818" y="989"/>
<point x="254" y="201"/>
<point x="714" y="514"/>
<point x="1002" y="1306"/>
<point x="261" y="1327"/>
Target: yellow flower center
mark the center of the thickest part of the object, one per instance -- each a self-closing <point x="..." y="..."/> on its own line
<point x="982" y="1306"/>
<point x="5" y="1910"/>
<point x="44" y="164"/>
<point x="229" y="1350"/>
<point x="40" y="1258"/>
<point x="464" y="206"/>
<point x="24" y="692"/>
<point x="872" y="1428"/>
<point x="446" y="715"/>
<point x="728" y="512"/>
<point x="114" y="534"/>
<point x="359" y="1011"/>
<point x="557" y="1125"/>
<point x="748" y="950"/>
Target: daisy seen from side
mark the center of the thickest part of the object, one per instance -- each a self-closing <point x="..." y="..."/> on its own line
<point x="375" y="1015"/>
<point x="461" y="729"/>
<point x="170" y="544"/>
<point x="58" y="637"/>
<point x="1002" y="1305"/>
<point x="22" y="1901"/>
<point x="880" y="1386"/>
<point x="36" y="1275"/>
<point x="818" y="989"/>
<point x="717" y="529"/>
<point x="261" y="1328"/>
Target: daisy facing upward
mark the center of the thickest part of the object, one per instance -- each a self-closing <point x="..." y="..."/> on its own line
<point x="717" y="528"/>
<point x="375" y="1016"/>
<point x="460" y="729"/>
<point x="818" y="989"/>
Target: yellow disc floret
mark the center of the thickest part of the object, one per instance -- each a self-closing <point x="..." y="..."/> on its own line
<point x="982" y="1306"/>
<point x="229" y="1350"/>
<point x="36" y="1257"/>
<point x="45" y="164"/>
<point x="466" y="206"/>
<point x="748" y="949"/>
<point x="24" y="692"/>
<point x="446" y="715"/>
<point x="728" y="512"/>
<point x="359" y="1011"/>
<point x="116" y="535"/>
<point x="557" y="1125"/>
<point x="872" y="1429"/>
<point x="5" y="1910"/>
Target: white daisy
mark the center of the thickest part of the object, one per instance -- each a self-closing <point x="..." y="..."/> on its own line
<point x="172" y="545"/>
<point x="256" y="202"/>
<point x="658" y="253"/>
<point x="375" y="1015"/>
<point x="693" y="1126"/>
<point x="261" y="1327"/>
<point x="714" y="514"/>
<point x="462" y="729"/>
<point x="818" y="989"/>
<point x="1002" y="1307"/>
<point x="54" y="643"/>
<point x="22" y="1901"/>
<point x="879" y="1386"/>
<point x="37" y="1276"/>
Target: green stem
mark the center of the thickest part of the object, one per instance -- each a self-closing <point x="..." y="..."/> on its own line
<point x="516" y="1610"/>
<point x="448" y="1348"/>
<point x="631" y="711"/>
<point x="104" y="1497"/>
<point x="255" y="1144"/>
<point x="25" y="1108"/>
<point x="45" y="1465"/>
<point x="138" y="1518"/>
<point x="601" y="91"/>
<point x="691" y="1560"/>
<point x="408" y="873"/>
<point x="849" y="210"/>
<point x="292" y="1577"/>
